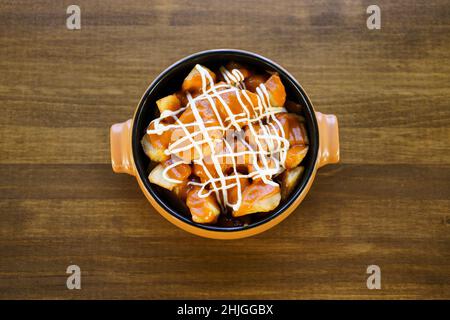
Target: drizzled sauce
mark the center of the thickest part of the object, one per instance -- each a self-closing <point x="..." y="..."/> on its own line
<point x="266" y="154"/>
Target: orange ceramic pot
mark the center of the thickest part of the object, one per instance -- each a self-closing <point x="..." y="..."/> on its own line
<point x="127" y="155"/>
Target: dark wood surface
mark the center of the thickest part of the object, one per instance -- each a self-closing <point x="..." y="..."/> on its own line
<point x="386" y="203"/>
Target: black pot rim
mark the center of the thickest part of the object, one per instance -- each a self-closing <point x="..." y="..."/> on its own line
<point x="314" y="140"/>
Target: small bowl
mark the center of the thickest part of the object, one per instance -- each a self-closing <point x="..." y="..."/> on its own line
<point x="127" y="155"/>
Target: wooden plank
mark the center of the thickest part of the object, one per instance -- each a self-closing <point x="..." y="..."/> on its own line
<point x="128" y="266"/>
<point x="134" y="218"/>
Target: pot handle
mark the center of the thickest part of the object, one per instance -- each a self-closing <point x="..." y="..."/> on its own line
<point x="328" y="139"/>
<point x="121" y="153"/>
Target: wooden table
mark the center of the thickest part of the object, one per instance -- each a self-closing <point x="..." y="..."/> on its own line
<point x="387" y="202"/>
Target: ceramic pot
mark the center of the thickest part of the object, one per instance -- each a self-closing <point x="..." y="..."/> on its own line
<point x="127" y="155"/>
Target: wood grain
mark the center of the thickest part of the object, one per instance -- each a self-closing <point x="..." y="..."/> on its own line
<point x="387" y="203"/>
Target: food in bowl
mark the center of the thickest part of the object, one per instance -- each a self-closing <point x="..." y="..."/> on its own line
<point x="228" y="144"/>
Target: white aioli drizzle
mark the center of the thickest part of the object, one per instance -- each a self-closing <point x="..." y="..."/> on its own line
<point x="270" y="142"/>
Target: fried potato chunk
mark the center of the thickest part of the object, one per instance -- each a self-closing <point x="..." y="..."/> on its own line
<point x="203" y="210"/>
<point x="182" y="98"/>
<point x="182" y="139"/>
<point x="254" y="81"/>
<point x="293" y="127"/>
<point x="258" y="197"/>
<point x="295" y="155"/>
<point x="253" y="172"/>
<point x="169" y="103"/>
<point x="234" y="154"/>
<point x="193" y="82"/>
<point x="277" y="93"/>
<point x="180" y="172"/>
<point x="232" y="193"/>
<point x="156" y="176"/>
<point x="154" y="151"/>
<point x="206" y="169"/>
<point x="230" y="66"/>
<point x="182" y="189"/>
<point x="239" y="105"/>
<point x="291" y="177"/>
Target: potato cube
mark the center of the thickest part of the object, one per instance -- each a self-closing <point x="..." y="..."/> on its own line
<point x="193" y="82"/>
<point x="154" y="153"/>
<point x="295" y="155"/>
<point x="258" y="197"/>
<point x="156" y="177"/>
<point x="291" y="178"/>
<point x="277" y="93"/>
<point x="169" y="103"/>
<point x="203" y="210"/>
